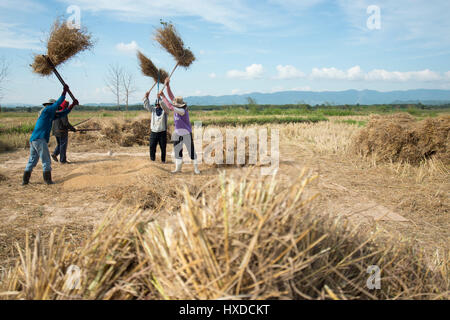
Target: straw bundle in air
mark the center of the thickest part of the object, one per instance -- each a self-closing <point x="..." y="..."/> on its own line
<point x="169" y="39"/>
<point x="63" y="43"/>
<point x="150" y="70"/>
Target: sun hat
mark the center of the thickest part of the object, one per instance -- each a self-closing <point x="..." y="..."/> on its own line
<point x="49" y="102"/>
<point x="178" y="102"/>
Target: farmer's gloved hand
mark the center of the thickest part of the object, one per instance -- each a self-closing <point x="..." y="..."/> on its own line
<point x="75" y="102"/>
<point x="66" y="88"/>
<point x="167" y="82"/>
<point x="146" y="95"/>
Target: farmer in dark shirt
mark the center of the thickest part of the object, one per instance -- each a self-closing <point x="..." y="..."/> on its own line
<point x="61" y="127"/>
<point x="41" y="135"/>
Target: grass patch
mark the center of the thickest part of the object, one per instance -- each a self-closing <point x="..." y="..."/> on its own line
<point x="359" y="123"/>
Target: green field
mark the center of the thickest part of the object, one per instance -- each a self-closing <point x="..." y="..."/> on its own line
<point x="17" y="124"/>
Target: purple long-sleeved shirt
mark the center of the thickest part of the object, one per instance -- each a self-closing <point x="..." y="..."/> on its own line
<point x="180" y="116"/>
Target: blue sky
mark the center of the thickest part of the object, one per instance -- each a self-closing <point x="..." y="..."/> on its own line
<point x="241" y="46"/>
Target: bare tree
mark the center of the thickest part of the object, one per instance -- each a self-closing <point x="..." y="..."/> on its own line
<point x="114" y="80"/>
<point x="4" y="72"/>
<point x="128" y="86"/>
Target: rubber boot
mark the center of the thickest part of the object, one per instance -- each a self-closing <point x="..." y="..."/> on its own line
<point x="196" y="171"/>
<point x="26" y="177"/>
<point x="178" y="165"/>
<point x="48" y="177"/>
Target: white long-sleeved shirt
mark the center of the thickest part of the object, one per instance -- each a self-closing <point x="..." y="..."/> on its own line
<point x="158" y="123"/>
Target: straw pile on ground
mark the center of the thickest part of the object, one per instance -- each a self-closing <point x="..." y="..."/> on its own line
<point x="125" y="133"/>
<point x="62" y="44"/>
<point x="169" y="39"/>
<point x="400" y="138"/>
<point x="149" y="69"/>
<point x="254" y="239"/>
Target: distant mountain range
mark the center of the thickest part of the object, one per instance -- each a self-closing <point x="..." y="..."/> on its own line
<point x="425" y="96"/>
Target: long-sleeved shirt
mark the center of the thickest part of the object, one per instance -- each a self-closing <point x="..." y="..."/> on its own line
<point x="158" y="121"/>
<point x="180" y="116"/>
<point x="44" y="123"/>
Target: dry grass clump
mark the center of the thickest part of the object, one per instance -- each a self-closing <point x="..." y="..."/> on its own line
<point x="170" y="40"/>
<point x="150" y="70"/>
<point x="254" y="239"/>
<point x="399" y="138"/>
<point x="62" y="44"/>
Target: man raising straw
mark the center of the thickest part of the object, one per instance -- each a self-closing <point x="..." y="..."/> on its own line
<point x="158" y="133"/>
<point x="183" y="129"/>
<point x="41" y="135"/>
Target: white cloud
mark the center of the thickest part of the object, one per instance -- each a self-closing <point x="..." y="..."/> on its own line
<point x="13" y="36"/>
<point x="305" y="88"/>
<point x="447" y="74"/>
<point x="230" y="13"/>
<point x="355" y="73"/>
<point x="383" y="75"/>
<point x="235" y="91"/>
<point x="254" y="71"/>
<point x="129" y="48"/>
<point x="212" y="75"/>
<point x="328" y="73"/>
<point x="288" y="72"/>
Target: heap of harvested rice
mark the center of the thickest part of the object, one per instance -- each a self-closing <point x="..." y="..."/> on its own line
<point x="400" y="138"/>
<point x="63" y="43"/>
<point x="169" y="39"/>
<point x="125" y="133"/>
<point x="150" y="70"/>
<point x="256" y="239"/>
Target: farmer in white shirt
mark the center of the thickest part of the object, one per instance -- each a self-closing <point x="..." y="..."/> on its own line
<point x="158" y="127"/>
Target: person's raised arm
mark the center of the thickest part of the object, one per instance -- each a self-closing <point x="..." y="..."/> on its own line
<point x="163" y="105"/>
<point x="165" y="101"/>
<point x="66" y="111"/>
<point x="169" y="90"/>
<point x="147" y="104"/>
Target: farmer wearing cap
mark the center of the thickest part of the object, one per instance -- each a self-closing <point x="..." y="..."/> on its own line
<point x="158" y="133"/>
<point x="61" y="127"/>
<point x="41" y="135"/>
<point x="183" y="129"/>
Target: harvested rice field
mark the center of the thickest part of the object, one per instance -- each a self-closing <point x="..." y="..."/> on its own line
<point x="340" y="201"/>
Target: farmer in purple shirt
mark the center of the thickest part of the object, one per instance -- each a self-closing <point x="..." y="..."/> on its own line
<point x="183" y="129"/>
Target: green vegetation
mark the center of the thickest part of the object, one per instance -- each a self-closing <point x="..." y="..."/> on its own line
<point x="360" y="123"/>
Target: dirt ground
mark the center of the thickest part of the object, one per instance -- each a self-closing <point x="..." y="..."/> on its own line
<point x="98" y="179"/>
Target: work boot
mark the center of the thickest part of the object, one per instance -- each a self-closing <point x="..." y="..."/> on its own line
<point x="178" y="165"/>
<point x="48" y="177"/>
<point x="26" y="177"/>
<point x="55" y="157"/>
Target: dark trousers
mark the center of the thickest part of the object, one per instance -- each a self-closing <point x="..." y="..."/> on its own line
<point x="61" y="148"/>
<point x="155" y="139"/>
<point x="184" y="140"/>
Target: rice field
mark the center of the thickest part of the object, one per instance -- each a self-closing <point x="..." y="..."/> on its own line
<point x="136" y="231"/>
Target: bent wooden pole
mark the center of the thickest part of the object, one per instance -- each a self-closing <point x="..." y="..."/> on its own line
<point x="170" y="76"/>
<point x="58" y="75"/>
